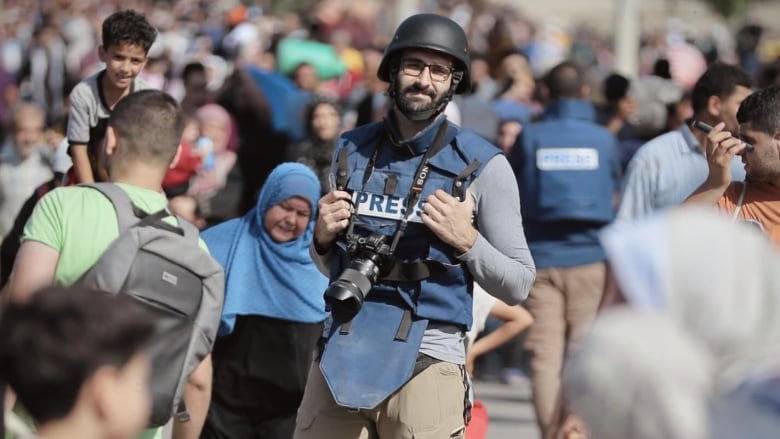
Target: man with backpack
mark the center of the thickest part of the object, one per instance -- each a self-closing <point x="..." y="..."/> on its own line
<point x="114" y="237"/>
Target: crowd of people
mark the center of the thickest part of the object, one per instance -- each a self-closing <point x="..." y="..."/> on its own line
<point x="373" y="197"/>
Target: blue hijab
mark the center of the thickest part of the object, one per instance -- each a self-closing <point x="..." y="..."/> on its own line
<point x="265" y="277"/>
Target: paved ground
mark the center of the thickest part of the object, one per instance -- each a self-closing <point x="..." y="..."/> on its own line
<point x="510" y="410"/>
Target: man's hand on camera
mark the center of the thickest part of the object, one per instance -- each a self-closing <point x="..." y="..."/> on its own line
<point x="450" y="219"/>
<point x="334" y="214"/>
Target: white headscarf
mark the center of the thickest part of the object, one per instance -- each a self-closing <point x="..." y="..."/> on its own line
<point x="639" y="375"/>
<point x="719" y="280"/>
<point x="701" y="326"/>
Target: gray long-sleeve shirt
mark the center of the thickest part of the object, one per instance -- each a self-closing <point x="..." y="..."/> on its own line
<point x="499" y="260"/>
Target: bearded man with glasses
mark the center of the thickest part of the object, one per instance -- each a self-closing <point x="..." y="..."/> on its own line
<point x="418" y="210"/>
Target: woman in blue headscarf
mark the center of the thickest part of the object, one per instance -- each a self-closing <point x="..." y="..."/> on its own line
<point x="273" y="310"/>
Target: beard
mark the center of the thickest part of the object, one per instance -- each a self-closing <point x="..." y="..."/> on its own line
<point x="408" y="106"/>
<point x="759" y="166"/>
<point x="758" y="175"/>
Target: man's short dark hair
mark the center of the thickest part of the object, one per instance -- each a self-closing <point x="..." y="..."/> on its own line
<point x="720" y="79"/>
<point x="192" y="69"/>
<point x="128" y="27"/>
<point x="52" y="343"/>
<point x="564" y="81"/>
<point x="762" y="110"/>
<point x="616" y="87"/>
<point x="662" y="68"/>
<point x="148" y="125"/>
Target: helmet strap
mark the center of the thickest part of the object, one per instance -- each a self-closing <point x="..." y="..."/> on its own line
<point x="393" y="78"/>
<point x="457" y="76"/>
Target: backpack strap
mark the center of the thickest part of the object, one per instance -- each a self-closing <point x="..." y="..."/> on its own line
<point x="190" y="232"/>
<point x="126" y="212"/>
<point x="181" y="414"/>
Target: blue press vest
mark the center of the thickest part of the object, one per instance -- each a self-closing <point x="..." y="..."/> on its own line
<point x="567" y="166"/>
<point x="444" y="297"/>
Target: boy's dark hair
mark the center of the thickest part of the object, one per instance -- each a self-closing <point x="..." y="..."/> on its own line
<point x="54" y="342"/>
<point x="128" y="27"/>
<point x="148" y="125"/>
<point x="720" y="79"/>
<point x="564" y="81"/>
<point x="762" y="110"/>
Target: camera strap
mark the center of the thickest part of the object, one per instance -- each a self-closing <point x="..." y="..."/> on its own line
<point x="418" y="181"/>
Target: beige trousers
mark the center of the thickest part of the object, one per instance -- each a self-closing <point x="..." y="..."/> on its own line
<point x="563" y="301"/>
<point x="429" y="406"/>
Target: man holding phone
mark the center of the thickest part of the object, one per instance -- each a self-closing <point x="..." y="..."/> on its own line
<point x="665" y="170"/>
<point x="756" y="200"/>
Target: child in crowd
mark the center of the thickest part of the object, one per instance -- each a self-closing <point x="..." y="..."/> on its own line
<point x="516" y="320"/>
<point x="177" y="179"/>
<point x="217" y="158"/>
<point x="75" y="359"/>
<point x="127" y="37"/>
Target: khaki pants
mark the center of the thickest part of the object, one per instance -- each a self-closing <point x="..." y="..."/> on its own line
<point x="562" y="301"/>
<point x="429" y="406"/>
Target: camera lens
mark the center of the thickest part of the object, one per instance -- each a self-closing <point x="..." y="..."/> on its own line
<point x="344" y="299"/>
<point x="346" y="294"/>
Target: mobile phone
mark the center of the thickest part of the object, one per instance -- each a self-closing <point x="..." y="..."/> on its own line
<point x="707" y="128"/>
<point x="702" y="126"/>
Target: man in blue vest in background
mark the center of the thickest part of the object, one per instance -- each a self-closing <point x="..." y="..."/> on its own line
<point x="568" y="173"/>
<point x="418" y="211"/>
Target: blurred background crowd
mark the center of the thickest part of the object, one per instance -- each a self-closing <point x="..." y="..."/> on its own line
<point x="267" y="81"/>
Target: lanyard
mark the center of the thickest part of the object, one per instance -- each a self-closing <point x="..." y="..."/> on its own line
<point x="418" y="182"/>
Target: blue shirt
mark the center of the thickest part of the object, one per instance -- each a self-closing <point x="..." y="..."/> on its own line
<point x="664" y="172"/>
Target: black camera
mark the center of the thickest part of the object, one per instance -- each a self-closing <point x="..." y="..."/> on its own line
<point x="369" y="256"/>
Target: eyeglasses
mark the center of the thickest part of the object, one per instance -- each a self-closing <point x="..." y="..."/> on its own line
<point x="415" y="67"/>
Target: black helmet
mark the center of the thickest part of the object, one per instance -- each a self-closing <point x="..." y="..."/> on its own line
<point x="434" y="32"/>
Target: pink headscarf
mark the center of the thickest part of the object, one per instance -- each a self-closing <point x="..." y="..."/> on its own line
<point x="214" y="114"/>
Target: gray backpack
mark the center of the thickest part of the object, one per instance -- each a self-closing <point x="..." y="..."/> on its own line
<point x="163" y="267"/>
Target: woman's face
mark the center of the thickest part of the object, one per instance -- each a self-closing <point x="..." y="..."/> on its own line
<point x="325" y="122"/>
<point x="288" y="219"/>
